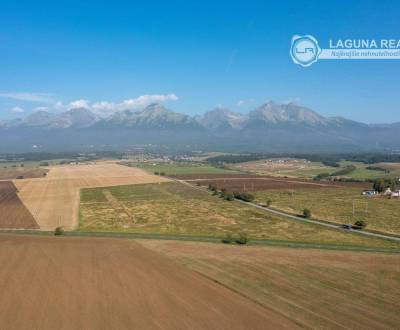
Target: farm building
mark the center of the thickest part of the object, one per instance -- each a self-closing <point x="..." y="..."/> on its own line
<point x="395" y="193"/>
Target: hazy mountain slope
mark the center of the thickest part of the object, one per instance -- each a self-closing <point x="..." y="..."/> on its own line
<point x="271" y="127"/>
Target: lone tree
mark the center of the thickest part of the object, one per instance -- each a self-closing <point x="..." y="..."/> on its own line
<point x="306" y="213"/>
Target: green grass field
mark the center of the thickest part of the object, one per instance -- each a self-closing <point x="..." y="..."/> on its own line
<point x="176" y="209"/>
<point x="175" y="168"/>
<point x="336" y="204"/>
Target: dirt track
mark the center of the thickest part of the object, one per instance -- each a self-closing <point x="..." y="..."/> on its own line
<point x="99" y="283"/>
<point x="54" y="200"/>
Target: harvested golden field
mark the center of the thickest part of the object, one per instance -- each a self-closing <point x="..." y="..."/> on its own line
<point x="316" y="289"/>
<point x="54" y="200"/>
<point x="100" y="283"/>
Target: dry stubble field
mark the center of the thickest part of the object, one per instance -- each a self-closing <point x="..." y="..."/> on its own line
<point x="103" y="283"/>
<point x="54" y="200"/>
<point x="316" y="289"/>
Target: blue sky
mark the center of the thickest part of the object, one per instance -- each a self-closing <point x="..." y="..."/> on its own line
<point x="195" y="55"/>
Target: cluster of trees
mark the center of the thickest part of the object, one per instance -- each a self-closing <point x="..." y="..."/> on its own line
<point x="327" y="159"/>
<point x="230" y="196"/>
<point x="377" y="168"/>
<point x="380" y="185"/>
<point x="344" y="171"/>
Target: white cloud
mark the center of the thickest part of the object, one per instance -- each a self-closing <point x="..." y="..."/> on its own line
<point x="244" y="102"/>
<point x="104" y="108"/>
<point x="79" y="104"/>
<point x="17" y="110"/>
<point x="30" y="97"/>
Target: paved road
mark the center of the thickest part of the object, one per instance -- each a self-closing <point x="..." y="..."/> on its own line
<point x="317" y="222"/>
<point x="296" y="218"/>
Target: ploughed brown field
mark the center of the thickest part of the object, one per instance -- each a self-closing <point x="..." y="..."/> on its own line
<point x="317" y="289"/>
<point x="22" y="173"/>
<point x="249" y="182"/>
<point x="13" y="213"/>
<point x="103" y="283"/>
<point x="54" y="200"/>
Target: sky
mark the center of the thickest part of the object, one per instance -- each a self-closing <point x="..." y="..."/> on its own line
<point x="193" y="56"/>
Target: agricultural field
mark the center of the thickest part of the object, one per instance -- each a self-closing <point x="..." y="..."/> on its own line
<point x="314" y="289"/>
<point x="18" y="172"/>
<point x="176" y="209"/>
<point x="250" y="183"/>
<point x="54" y="200"/>
<point x="362" y="171"/>
<point x="336" y="205"/>
<point x="301" y="168"/>
<point x="13" y="213"/>
<point x="290" y="167"/>
<point x="103" y="283"/>
<point x="180" y="168"/>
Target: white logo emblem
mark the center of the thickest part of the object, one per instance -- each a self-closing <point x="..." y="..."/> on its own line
<point x="304" y="50"/>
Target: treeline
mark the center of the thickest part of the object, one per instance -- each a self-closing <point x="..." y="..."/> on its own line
<point x="39" y="156"/>
<point x="327" y="159"/>
<point x="344" y="171"/>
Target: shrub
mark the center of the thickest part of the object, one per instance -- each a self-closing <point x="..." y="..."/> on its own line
<point x="162" y="173"/>
<point x="242" y="239"/>
<point x="228" y="239"/>
<point x="156" y="173"/>
<point x="59" y="231"/>
<point x="269" y="202"/>
<point x="244" y="196"/>
<point x="321" y="176"/>
<point x="361" y="223"/>
<point x="212" y="188"/>
<point x="229" y="197"/>
<point x="306" y="213"/>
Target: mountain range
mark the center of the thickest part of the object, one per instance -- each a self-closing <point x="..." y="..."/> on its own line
<point x="270" y="127"/>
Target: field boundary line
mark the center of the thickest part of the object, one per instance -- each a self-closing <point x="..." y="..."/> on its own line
<point x="202" y="239"/>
